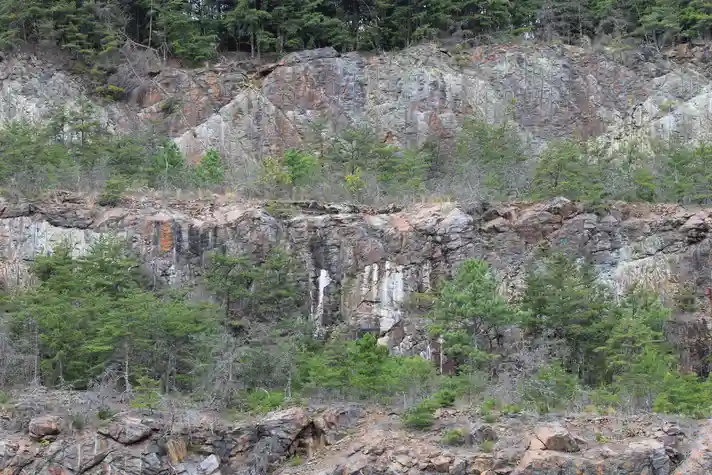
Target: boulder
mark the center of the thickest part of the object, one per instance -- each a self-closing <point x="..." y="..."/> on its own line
<point x="441" y="463"/>
<point x="44" y="426"/>
<point x="556" y="437"/>
<point x="210" y="465"/>
<point x="483" y="433"/>
<point x="127" y="430"/>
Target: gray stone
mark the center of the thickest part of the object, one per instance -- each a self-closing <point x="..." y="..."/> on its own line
<point x="556" y="437"/>
<point x="126" y="430"/>
<point x="210" y="465"/>
<point x="482" y="433"/>
<point x="45" y="426"/>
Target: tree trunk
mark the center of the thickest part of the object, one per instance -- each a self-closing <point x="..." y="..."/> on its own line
<point x="127" y="384"/>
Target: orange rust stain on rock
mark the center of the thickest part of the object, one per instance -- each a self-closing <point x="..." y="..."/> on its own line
<point x="166" y="236"/>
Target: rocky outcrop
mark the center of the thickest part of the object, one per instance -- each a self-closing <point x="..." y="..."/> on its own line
<point x="135" y="445"/>
<point x="386" y="450"/>
<point x="248" y="109"/>
<point x="346" y="439"/>
<point x="363" y="263"/>
<point x="172" y="99"/>
<point x="425" y="92"/>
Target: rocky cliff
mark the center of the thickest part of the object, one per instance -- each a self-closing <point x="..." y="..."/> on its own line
<point x="249" y="109"/>
<point x="362" y="263"/>
<point x="58" y="433"/>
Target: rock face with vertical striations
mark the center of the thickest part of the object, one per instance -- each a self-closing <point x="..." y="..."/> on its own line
<point x="249" y="110"/>
<point x="363" y="263"/>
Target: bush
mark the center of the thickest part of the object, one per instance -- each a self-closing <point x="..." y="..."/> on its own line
<point x="686" y="395"/>
<point x="168" y="165"/>
<point x="78" y="421"/>
<point x="552" y="388"/>
<point x="263" y="401"/>
<point x="113" y="191"/>
<point x="453" y="437"/>
<point x="445" y="398"/>
<point x="147" y="394"/>
<point x="421" y="416"/>
<point x="364" y="369"/>
<point x="5" y="398"/>
<point x="210" y="170"/>
<point x="105" y="413"/>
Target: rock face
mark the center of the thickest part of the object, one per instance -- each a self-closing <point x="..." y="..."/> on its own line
<point x="363" y="263"/>
<point x="424" y="92"/>
<point x="126" y="431"/>
<point x="249" y="110"/>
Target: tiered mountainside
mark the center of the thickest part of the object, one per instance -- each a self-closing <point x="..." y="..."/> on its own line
<point x="229" y="290"/>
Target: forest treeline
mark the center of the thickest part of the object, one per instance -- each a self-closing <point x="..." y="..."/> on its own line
<point x="197" y="30"/>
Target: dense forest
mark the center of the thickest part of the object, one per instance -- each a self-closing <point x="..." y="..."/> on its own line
<point x="198" y="30"/>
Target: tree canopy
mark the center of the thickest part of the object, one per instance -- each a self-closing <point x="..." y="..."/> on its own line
<point x="198" y="30"/>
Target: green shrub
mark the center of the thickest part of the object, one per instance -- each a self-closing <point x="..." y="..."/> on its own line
<point x="445" y="398"/>
<point x="168" y="165"/>
<point x="113" y="191"/>
<point x="105" y="413"/>
<point x="490" y="418"/>
<point x="685" y="394"/>
<point x="210" y="170"/>
<point x="509" y="409"/>
<point x="421" y="416"/>
<point x="551" y="388"/>
<point x="262" y="401"/>
<point x="5" y="398"/>
<point x="78" y="421"/>
<point x="365" y="370"/>
<point x="281" y="210"/>
<point x="147" y="394"/>
<point x="453" y="437"/>
<point x="110" y="92"/>
<point x="487" y="446"/>
<point x="296" y="460"/>
<point x="488" y="405"/>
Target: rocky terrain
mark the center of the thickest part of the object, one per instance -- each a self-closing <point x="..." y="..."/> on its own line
<point x="249" y="109"/>
<point x="362" y="263"/>
<point x="55" y="433"/>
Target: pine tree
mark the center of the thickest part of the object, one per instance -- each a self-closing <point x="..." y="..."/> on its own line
<point x="210" y="169"/>
<point x="564" y="301"/>
<point x="469" y="313"/>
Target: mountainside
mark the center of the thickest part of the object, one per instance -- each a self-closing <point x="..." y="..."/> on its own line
<point x="530" y="305"/>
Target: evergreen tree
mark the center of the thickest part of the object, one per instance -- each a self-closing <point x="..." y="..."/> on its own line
<point x="96" y="312"/>
<point x="564" y="301"/>
<point x="470" y="313"/>
<point x="210" y="169"/>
